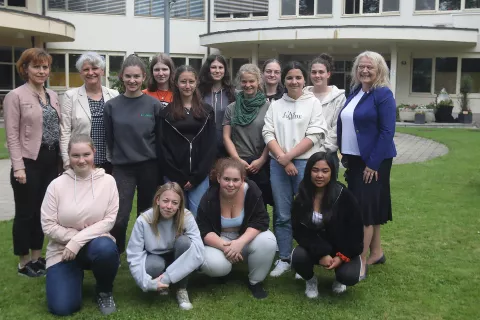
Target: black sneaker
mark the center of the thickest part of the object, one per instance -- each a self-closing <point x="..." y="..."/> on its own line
<point x="29" y="270"/>
<point x="257" y="290"/>
<point x="105" y="303"/>
<point x="41" y="265"/>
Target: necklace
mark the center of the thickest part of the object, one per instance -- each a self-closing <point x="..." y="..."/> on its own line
<point x="187" y="110"/>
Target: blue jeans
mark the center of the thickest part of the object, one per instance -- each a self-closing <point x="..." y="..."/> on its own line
<point x="65" y="279"/>
<point x="284" y="187"/>
<point x="194" y="195"/>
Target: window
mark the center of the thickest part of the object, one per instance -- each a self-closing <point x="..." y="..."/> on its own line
<point x="196" y="63"/>
<point x="114" y="7"/>
<point x="115" y="64"/>
<point x="10" y="79"/>
<point x="422" y="75"/>
<point x="307" y="8"/>
<point x="74" y="79"/>
<point x="240" y="9"/>
<point x="341" y="75"/>
<point x="444" y="5"/>
<point x="184" y="9"/>
<point x="236" y="64"/>
<point x="371" y="6"/>
<point x="471" y="67"/>
<point x="472" y="4"/>
<point x="446" y="74"/>
<point x="14" y="3"/>
<point x="179" y="61"/>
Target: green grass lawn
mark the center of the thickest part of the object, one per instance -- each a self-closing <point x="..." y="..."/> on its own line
<point x="432" y="270"/>
<point x="3" y="147"/>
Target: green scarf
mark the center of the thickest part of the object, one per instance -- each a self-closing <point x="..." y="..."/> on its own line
<point x="246" y="110"/>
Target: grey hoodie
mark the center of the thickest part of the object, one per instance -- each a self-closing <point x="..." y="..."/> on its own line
<point x="331" y="106"/>
<point x="144" y="241"/>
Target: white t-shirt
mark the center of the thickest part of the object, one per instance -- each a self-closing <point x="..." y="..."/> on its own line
<point x="349" y="136"/>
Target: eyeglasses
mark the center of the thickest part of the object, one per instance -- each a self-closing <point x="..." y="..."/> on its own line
<point x="369" y="68"/>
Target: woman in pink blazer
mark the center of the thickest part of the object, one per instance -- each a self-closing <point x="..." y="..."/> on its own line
<point x="32" y="124"/>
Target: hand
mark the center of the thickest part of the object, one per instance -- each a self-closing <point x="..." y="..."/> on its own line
<point x="368" y="175"/>
<point x="68" y="255"/>
<point x="233" y="250"/>
<point x="284" y="159"/>
<point x="291" y="170"/>
<point x="187" y="186"/>
<point x="160" y="285"/>
<point x="245" y="163"/>
<point x="235" y="258"/>
<point x="256" y="165"/>
<point x="336" y="262"/>
<point x="20" y="176"/>
<point x="326" y="261"/>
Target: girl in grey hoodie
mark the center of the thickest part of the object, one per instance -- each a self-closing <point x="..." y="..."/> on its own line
<point x="165" y="245"/>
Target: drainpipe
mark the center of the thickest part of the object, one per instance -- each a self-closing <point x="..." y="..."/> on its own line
<point x="209" y="8"/>
<point x="44" y="7"/>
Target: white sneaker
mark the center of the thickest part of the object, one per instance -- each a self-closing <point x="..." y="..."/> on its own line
<point x="338" y="288"/>
<point x="298" y="277"/>
<point x="183" y="301"/>
<point x="311" y="290"/>
<point x="280" y="268"/>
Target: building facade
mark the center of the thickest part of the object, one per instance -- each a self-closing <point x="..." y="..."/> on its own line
<point x="428" y="44"/>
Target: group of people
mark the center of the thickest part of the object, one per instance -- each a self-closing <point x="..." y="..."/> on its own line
<point x="205" y="158"/>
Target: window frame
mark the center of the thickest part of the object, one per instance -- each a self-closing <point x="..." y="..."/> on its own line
<point x="171" y="16"/>
<point x="5" y="4"/>
<point x="232" y="18"/>
<point x="360" y="13"/>
<point x="12" y="64"/>
<point x="297" y="11"/>
<point x="86" y="12"/>
<point x="438" y="11"/>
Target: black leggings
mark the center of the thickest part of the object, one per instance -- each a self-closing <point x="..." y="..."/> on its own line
<point x="347" y="273"/>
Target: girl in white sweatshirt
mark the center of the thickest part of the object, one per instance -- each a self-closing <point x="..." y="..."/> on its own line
<point x="165" y="245"/>
<point x="78" y="212"/>
<point x="294" y="130"/>
<point x="331" y="98"/>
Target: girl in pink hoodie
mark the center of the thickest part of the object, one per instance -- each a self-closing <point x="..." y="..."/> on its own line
<point x="79" y="209"/>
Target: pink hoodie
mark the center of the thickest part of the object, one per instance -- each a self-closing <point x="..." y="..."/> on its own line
<point x="76" y="211"/>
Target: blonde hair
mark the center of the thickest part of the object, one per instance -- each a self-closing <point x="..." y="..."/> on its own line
<point x="383" y="74"/>
<point x="253" y="70"/>
<point x="179" y="216"/>
<point x="80" y="138"/>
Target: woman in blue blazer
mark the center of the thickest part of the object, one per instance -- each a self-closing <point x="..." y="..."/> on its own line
<point x="365" y="130"/>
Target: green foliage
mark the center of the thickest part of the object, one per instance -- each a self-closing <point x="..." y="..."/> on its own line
<point x="466" y="86"/>
<point x="445" y="103"/>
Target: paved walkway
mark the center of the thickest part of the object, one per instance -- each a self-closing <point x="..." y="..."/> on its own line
<point x="410" y="149"/>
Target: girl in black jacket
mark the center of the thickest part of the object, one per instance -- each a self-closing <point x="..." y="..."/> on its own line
<point x="187" y="131"/>
<point x="327" y="226"/>
<point x="233" y="224"/>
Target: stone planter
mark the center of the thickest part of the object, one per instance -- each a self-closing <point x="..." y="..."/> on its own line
<point x="408" y="115"/>
<point x="444" y="114"/>
<point x="419" y="118"/>
<point x="464" y="117"/>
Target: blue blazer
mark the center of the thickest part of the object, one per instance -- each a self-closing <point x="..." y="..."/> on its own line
<point x="374" y="120"/>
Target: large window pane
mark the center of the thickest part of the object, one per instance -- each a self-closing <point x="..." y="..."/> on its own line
<point x="237" y="63"/>
<point x="74" y="79"/>
<point x="422" y="75"/>
<point x="472" y="4"/>
<point x="306" y="7"/>
<point x="6" y="54"/>
<point x="57" y="73"/>
<point x="179" y="62"/>
<point x="391" y="5"/>
<point x="195" y="63"/>
<point x="18" y="80"/>
<point x="16" y="3"/>
<point x="56" y="4"/>
<point x="288" y="7"/>
<point x="77" y="5"/>
<point x="446" y="74"/>
<point x="115" y="63"/>
<point x="18" y="53"/>
<point x="424" y="5"/>
<point x="471" y="67"/>
<point x="352" y="6"/>
<point x="447" y="5"/>
<point x="324" y="6"/>
<point x="197" y="8"/>
<point x="6" y="80"/>
<point x="371" y="6"/>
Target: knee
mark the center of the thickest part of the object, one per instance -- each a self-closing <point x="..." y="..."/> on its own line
<point x="103" y="248"/>
<point x="299" y="256"/>
<point x="154" y="265"/>
<point x="216" y="267"/>
<point x="265" y="242"/>
<point x="182" y="244"/>
<point x="62" y="307"/>
<point x="347" y="276"/>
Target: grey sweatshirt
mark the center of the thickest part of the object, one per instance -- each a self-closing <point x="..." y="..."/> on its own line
<point x="331" y="106"/>
<point x="131" y="128"/>
<point x="143" y="241"/>
<point x="219" y="102"/>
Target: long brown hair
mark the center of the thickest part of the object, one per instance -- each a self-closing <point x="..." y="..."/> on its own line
<point x="179" y="216"/>
<point x="166" y="60"/>
<point x="176" y="107"/>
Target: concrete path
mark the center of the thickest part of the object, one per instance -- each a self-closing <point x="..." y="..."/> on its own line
<point x="410" y="149"/>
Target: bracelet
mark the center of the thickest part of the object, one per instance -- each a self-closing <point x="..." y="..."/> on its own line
<point x="343" y="257"/>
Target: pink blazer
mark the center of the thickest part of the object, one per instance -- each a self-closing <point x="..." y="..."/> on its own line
<point x="23" y="116"/>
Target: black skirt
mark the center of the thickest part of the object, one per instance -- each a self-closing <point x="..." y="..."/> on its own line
<point x="374" y="198"/>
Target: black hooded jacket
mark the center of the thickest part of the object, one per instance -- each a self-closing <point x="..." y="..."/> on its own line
<point x="209" y="212"/>
<point x="343" y="232"/>
<point x="183" y="161"/>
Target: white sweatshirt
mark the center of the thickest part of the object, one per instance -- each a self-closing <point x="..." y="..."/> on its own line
<point x="288" y="121"/>
<point x="331" y="106"/>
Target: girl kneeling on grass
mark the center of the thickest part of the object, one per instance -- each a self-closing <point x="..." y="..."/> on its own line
<point x="78" y="212"/>
<point x="165" y="245"/>
<point x="327" y="224"/>
<point x="233" y="223"/>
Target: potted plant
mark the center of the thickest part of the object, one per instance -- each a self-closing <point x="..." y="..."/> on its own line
<point x="466" y="86"/>
<point x="406" y="112"/>
<point x="420" y="115"/>
<point x="443" y="111"/>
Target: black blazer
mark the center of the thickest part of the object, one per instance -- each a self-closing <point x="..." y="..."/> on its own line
<point x="209" y="212"/>
<point x="342" y="233"/>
